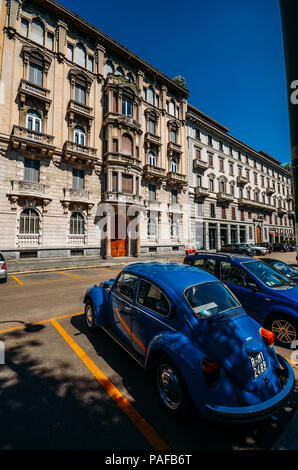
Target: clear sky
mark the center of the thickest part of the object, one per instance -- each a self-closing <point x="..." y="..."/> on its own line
<point x="229" y="51"/>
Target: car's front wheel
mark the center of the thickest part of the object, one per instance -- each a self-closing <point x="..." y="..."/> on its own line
<point x="89" y="316"/>
<point x="284" y="328"/>
<point x="171" y="388"/>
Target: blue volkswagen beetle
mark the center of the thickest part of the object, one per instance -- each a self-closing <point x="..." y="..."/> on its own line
<point x="191" y="333"/>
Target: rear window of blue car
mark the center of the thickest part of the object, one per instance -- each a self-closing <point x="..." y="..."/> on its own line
<point x="210" y="298"/>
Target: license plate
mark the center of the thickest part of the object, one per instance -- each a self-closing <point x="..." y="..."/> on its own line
<point x="258" y="364"/>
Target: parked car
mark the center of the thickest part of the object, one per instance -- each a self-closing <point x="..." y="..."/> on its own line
<point x="193" y="337"/>
<point x="258" y="250"/>
<point x="266" y="245"/>
<point x="291" y="247"/>
<point x="237" y="248"/>
<point x="280" y="247"/>
<point x="3" y="269"/>
<point x="267" y="296"/>
<point x="282" y="268"/>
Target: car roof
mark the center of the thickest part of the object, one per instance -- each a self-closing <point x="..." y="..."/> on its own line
<point x="223" y="256"/>
<point x="174" y="277"/>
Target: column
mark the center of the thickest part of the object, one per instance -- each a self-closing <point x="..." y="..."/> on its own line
<point x="218" y="240"/>
<point x="206" y="236"/>
<point x="108" y="238"/>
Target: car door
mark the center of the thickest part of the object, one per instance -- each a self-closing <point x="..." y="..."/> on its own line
<point x="122" y="298"/>
<point x="151" y="315"/>
<point x="247" y="290"/>
<point x="207" y="264"/>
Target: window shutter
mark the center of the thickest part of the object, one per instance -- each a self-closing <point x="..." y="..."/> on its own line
<point x="127" y="184"/>
<point x="126" y="145"/>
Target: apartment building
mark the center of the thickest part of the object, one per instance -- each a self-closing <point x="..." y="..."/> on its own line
<point x="92" y="141"/>
<point x="236" y="194"/>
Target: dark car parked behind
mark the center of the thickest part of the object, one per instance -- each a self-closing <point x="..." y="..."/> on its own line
<point x="237" y="248"/>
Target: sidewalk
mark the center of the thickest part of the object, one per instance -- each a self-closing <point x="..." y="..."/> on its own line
<point x="80" y="262"/>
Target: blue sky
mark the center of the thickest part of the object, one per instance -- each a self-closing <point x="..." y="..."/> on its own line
<point x="229" y="51"/>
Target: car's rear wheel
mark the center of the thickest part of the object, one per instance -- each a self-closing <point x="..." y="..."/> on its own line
<point x="171" y="388"/>
<point x="284" y="328"/>
<point x="89" y="316"/>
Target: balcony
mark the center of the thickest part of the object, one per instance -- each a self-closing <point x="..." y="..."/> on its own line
<point x="269" y="191"/>
<point x="128" y="161"/>
<point x="32" y="90"/>
<point x="174" y="148"/>
<point x="241" y="180"/>
<point x="23" y="139"/>
<point x="201" y="192"/>
<point x="251" y="204"/>
<point x="77" y="199"/>
<point x="82" y="110"/>
<point x="152" y="139"/>
<point x="199" y="164"/>
<point x="77" y="152"/>
<point x="29" y="191"/>
<point x="119" y="81"/>
<point x="176" y="179"/>
<point x="122" y="120"/>
<point x="224" y="197"/>
<point x="154" y="173"/>
<point x="122" y="198"/>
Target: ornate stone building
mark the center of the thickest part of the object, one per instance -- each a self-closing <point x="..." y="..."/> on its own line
<point x="88" y="130"/>
<point x="236" y="194"/>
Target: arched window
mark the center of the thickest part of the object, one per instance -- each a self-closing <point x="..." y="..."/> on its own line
<point x="77" y="224"/>
<point x="174" y="166"/>
<point x="150" y="95"/>
<point x="80" y="55"/>
<point x="127" y="145"/>
<point x="79" y="135"/>
<point x="130" y="78"/>
<point x="33" y="121"/>
<point x="37" y="32"/>
<point x="152" y="159"/>
<point x="119" y="71"/>
<point x="29" y="222"/>
<point x="222" y="186"/>
<point x="108" y="68"/>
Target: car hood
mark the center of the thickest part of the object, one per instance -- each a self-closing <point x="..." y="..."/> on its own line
<point x="230" y="340"/>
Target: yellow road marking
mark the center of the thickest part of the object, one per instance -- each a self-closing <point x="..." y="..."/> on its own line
<point x="293" y="364"/>
<point x="141" y="424"/>
<point x="68" y="274"/>
<point x="48" y="281"/>
<point x="110" y="270"/>
<point x="18" y="280"/>
<point x="21" y="327"/>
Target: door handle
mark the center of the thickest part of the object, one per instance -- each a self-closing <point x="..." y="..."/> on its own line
<point x="127" y="309"/>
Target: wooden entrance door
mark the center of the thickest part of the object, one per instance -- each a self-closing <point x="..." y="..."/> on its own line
<point x="258" y="234"/>
<point x="118" y="244"/>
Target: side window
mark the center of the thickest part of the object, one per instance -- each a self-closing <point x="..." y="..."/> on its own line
<point x="206" y="264"/>
<point x="126" y="285"/>
<point x="151" y="297"/>
<point x="235" y="275"/>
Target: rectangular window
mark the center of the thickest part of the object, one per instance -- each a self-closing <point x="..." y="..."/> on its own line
<point x="127" y="184"/>
<point x="173" y="136"/>
<point x="231" y="169"/>
<point x="114" y="181"/>
<point x="198" y="154"/>
<point x="69" y="53"/>
<point x="233" y="213"/>
<point x="210" y="140"/>
<point x="126" y="107"/>
<point x="115" y="145"/>
<point x="174" y="196"/>
<point x="212" y="210"/>
<point x="152" y="192"/>
<point x="78" y="179"/>
<point x="220" y="146"/>
<point x="242" y="215"/>
<point x="198" y="134"/>
<point x="211" y="184"/>
<point x="199" y="180"/>
<point x="90" y="63"/>
<point x="35" y="74"/>
<point x="221" y="164"/>
<point x="151" y="126"/>
<point x="210" y="158"/>
<point x="24" y="27"/>
<point x="223" y="213"/>
<point x="200" y="209"/>
<point x="231" y="151"/>
<point x="50" y="41"/>
<point x="80" y="94"/>
<point x="31" y="169"/>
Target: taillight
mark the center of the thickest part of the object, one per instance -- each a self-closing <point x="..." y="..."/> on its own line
<point x="211" y="371"/>
<point x="3" y="266"/>
<point x="268" y="336"/>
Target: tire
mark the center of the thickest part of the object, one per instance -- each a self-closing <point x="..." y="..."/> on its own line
<point x="89" y="316"/>
<point x="284" y="328"/>
<point x="170" y="388"/>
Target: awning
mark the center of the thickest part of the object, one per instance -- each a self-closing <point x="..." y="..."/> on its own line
<point x="273" y="234"/>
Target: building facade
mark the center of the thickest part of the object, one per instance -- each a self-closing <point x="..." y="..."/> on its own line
<point x="92" y="141"/>
<point x="237" y="195"/>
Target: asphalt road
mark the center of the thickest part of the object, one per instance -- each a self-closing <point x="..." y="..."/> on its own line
<point x="62" y="387"/>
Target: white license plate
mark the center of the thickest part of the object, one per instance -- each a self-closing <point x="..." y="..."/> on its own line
<point x="258" y="364"/>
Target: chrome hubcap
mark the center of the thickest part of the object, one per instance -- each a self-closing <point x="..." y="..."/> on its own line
<point x="89" y="315"/>
<point x="284" y="331"/>
<point x="168" y="387"/>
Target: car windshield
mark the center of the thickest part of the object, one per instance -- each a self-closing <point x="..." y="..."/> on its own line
<point x="209" y="299"/>
<point x="265" y="274"/>
<point x="284" y="269"/>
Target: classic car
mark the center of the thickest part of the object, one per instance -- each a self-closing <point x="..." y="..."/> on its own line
<point x="190" y="333"/>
